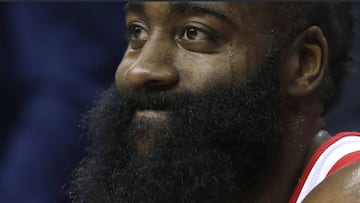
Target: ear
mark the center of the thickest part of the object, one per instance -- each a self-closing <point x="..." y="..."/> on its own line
<point x="305" y="62"/>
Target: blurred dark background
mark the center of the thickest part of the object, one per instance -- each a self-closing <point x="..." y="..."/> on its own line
<point x="54" y="59"/>
<point x="346" y="116"/>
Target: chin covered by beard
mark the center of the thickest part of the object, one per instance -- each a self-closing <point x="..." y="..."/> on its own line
<point x="213" y="147"/>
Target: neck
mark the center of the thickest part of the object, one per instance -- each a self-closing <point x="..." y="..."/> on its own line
<point x="300" y="124"/>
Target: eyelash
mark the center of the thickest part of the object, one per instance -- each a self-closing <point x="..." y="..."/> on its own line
<point x="209" y="34"/>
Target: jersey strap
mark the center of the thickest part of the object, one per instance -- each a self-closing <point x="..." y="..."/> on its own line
<point x="339" y="151"/>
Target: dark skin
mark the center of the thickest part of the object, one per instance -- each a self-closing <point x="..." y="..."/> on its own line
<point x="174" y="51"/>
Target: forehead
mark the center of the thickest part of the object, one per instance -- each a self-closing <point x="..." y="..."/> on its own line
<point x="234" y="13"/>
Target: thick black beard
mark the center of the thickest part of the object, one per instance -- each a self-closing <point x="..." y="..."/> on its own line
<point x="213" y="148"/>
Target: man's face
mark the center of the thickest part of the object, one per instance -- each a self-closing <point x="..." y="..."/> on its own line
<point x="196" y="117"/>
<point x="193" y="46"/>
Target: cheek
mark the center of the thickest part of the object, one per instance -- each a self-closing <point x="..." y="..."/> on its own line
<point x="248" y="58"/>
<point x="199" y="71"/>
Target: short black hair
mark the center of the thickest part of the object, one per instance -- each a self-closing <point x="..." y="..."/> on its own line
<point x="336" y="22"/>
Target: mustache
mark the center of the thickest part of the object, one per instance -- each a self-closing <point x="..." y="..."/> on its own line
<point x="163" y="100"/>
<point x="154" y="101"/>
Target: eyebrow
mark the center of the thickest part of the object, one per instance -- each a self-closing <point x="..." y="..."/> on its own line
<point x="184" y="7"/>
<point x="198" y="7"/>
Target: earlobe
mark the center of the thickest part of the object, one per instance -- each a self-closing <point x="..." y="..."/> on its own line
<point x="305" y="63"/>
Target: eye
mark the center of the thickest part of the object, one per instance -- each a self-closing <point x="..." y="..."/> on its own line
<point x="137" y="35"/>
<point x="192" y="33"/>
<point x="137" y="32"/>
<point x="198" y="37"/>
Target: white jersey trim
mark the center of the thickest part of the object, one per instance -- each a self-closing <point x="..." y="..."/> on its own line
<point x="326" y="161"/>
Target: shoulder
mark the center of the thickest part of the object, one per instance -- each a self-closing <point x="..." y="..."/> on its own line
<point x="339" y="158"/>
<point x="342" y="186"/>
<point x="330" y="168"/>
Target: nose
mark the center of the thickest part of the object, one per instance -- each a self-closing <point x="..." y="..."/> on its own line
<point x="148" y="77"/>
<point x="151" y="70"/>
